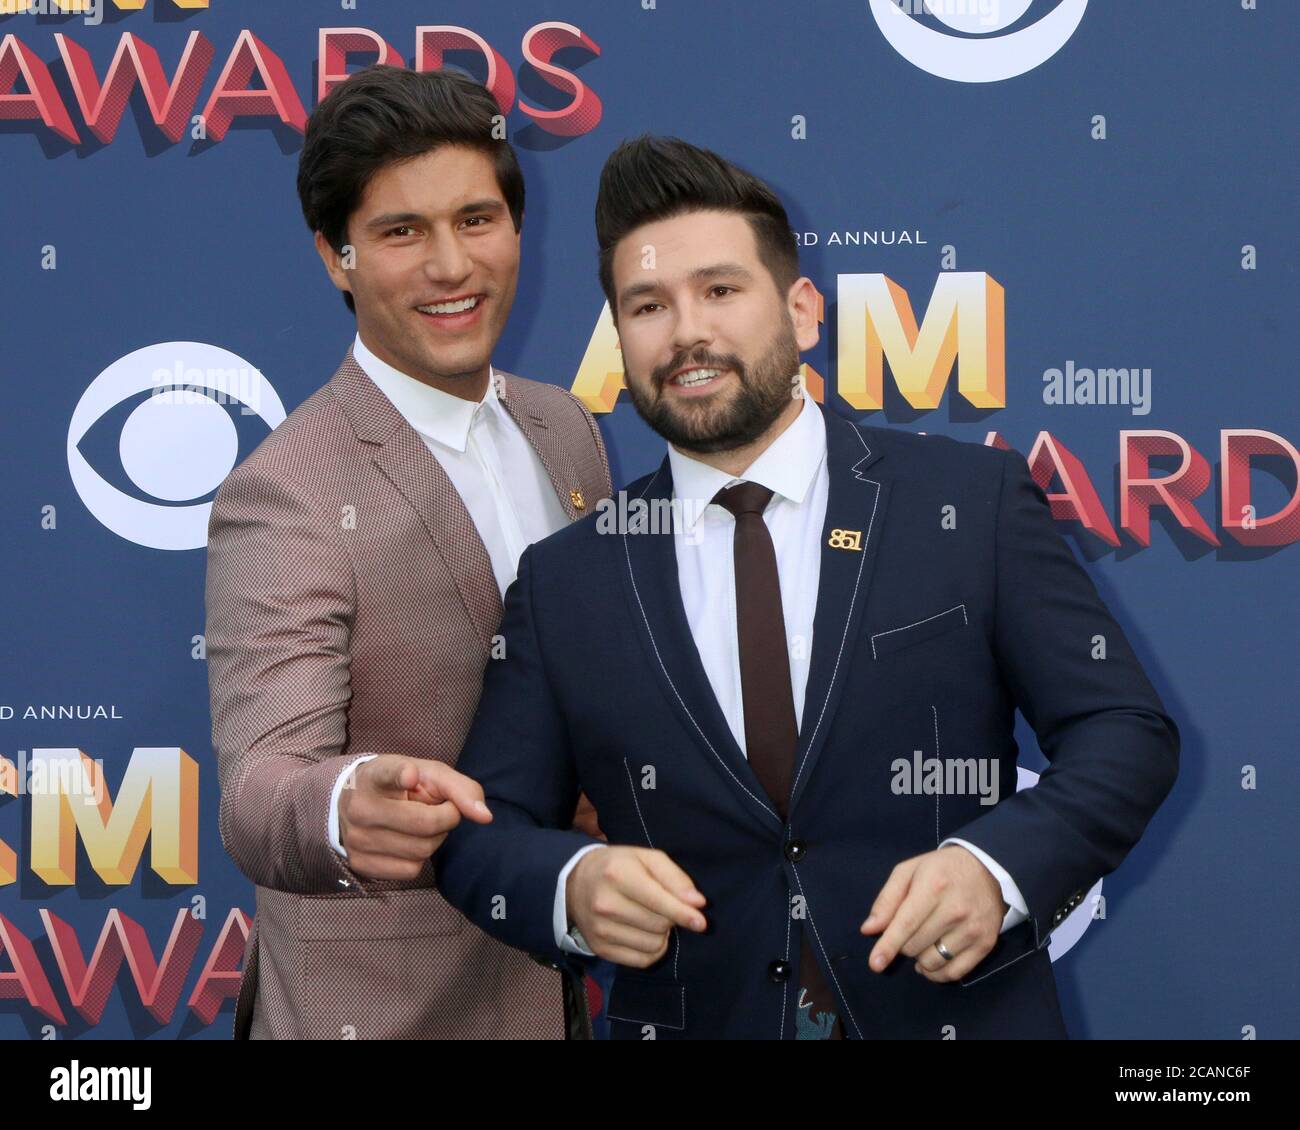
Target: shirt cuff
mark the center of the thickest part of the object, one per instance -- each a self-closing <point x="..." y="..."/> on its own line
<point x="339" y="785"/>
<point x="560" y="918"/>
<point x="1017" y="909"/>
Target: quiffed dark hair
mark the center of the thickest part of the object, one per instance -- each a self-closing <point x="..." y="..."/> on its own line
<point x="653" y="178"/>
<point x="385" y="114"/>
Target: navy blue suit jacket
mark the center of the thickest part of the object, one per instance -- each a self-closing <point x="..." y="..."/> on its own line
<point x="926" y="638"/>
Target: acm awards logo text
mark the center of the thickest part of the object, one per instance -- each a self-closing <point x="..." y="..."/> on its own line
<point x="957" y="344"/>
<point x="75" y="821"/>
<point x="179" y="438"/>
<point x="253" y="83"/>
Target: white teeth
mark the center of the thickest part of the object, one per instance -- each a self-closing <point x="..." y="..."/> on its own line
<point x="696" y="377"/>
<point x="450" y="307"/>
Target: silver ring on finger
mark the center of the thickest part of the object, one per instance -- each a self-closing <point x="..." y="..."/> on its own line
<point x="944" y="951"/>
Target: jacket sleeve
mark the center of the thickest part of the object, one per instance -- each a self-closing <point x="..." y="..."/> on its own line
<point x="502" y="875"/>
<point x="1112" y="748"/>
<point x="280" y="599"/>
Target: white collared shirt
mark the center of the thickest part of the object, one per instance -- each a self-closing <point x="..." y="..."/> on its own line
<point x="490" y="462"/>
<point x="495" y="470"/>
<point x="794" y="468"/>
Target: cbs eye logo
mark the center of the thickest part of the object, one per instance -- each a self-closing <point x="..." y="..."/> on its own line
<point x="980" y="52"/>
<point x="176" y="444"/>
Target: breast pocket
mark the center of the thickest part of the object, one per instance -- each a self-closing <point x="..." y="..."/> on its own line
<point x="647" y="1003"/>
<point x="895" y="639"/>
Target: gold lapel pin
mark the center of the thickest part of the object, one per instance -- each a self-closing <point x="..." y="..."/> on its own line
<point x="579" y="503"/>
<point x="845" y="539"/>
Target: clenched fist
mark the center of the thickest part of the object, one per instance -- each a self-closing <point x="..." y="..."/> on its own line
<point x="398" y="810"/>
<point x="626" y="900"/>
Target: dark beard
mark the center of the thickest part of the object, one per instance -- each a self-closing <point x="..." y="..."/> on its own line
<point x="765" y="390"/>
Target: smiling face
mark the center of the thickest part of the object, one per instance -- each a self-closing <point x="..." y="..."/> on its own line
<point x="710" y="345"/>
<point x="436" y="266"/>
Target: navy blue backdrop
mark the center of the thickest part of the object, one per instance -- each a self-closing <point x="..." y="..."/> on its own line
<point x="1122" y="177"/>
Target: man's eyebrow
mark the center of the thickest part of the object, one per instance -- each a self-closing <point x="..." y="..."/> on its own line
<point x="488" y="204"/>
<point x="394" y="219"/>
<point x="699" y="274"/>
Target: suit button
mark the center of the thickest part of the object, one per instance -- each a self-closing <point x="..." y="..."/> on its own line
<point x="795" y="850"/>
<point x="1058" y="917"/>
<point x="778" y="971"/>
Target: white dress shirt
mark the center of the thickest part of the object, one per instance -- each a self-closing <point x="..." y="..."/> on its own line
<point x="794" y="467"/>
<point x="495" y="470"/>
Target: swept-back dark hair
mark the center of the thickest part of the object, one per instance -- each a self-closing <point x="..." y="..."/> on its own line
<point x="385" y="114"/>
<point x="654" y="178"/>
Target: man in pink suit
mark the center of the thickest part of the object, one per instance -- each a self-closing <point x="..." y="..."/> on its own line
<point x="356" y="566"/>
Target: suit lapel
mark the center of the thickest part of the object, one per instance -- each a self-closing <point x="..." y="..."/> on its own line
<point x="855" y="505"/>
<point x="654" y="594"/>
<point x="525" y="409"/>
<point x="401" y="455"/>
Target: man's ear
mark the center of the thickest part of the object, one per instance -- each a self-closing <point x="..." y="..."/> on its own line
<point x="334" y="262"/>
<point x="804" y="304"/>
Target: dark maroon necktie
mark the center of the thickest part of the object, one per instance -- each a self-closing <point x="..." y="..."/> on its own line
<point x="771" y="731"/>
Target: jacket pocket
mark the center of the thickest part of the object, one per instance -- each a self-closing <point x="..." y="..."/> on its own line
<point x="419" y="912"/>
<point x="895" y="639"/>
<point x="640" y="1000"/>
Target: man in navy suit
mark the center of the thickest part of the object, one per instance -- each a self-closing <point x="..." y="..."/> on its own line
<point x="785" y="668"/>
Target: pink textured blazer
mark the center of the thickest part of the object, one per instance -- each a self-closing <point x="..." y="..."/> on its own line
<point x="351" y="607"/>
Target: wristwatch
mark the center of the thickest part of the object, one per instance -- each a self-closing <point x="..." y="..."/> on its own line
<point x="575" y="936"/>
